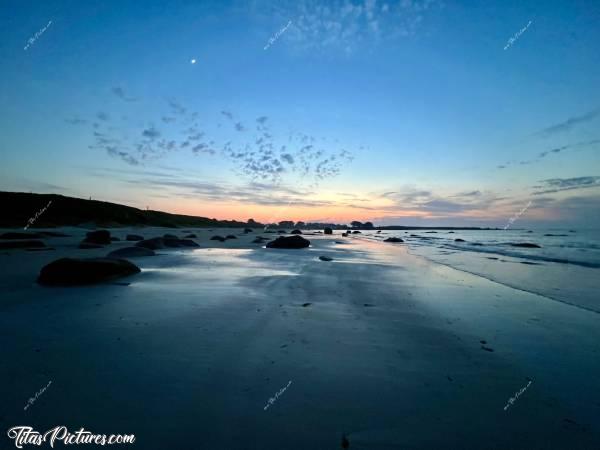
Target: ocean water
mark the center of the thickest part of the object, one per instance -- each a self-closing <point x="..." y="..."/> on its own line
<point x="565" y="268"/>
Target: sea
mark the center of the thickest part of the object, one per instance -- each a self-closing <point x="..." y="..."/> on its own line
<point x="565" y="267"/>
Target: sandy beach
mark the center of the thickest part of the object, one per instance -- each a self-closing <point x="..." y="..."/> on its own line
<point x="384" y="347"/>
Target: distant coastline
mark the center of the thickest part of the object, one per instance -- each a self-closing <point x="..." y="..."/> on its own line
<point x="18" y="207"/>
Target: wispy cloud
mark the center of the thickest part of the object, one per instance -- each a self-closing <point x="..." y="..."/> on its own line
<point x="569" y="123"/>
<point x="553" y="185"/>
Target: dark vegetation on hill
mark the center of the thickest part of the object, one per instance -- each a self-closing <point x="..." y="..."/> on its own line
<point x="18" y="208"/>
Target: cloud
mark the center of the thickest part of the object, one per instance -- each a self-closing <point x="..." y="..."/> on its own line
<point x="151" y="133"/>
<point x="566" y="147"/>
<point x="227" y="114"/>
<point x="120" y="93"/>
<point x="102" y="116"/>
<point x="129" y="159"/>
<point x="569" y="123"/>
<point x="347" y="24"/>
<point x="76" y="121"/>
<point x="553" y="185"/>
<point x="239" y="126"/>
<point x="167" y="119"/>
<point x="177" y="108"/>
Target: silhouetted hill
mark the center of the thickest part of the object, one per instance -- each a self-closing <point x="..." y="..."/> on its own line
<point x="19" y="207"/>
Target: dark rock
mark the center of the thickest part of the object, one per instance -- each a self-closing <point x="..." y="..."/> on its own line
<point x="450" y="232"/>
<point x="98" y="237"/>
<point x="131" y="252"/>
<point x="393" y="239"/>
<point x="557" y="235"/>
<point x="296" y="232"/>
<point x="487" y="349"/>
<point x="248" y="230"/>
<point x="114" y="239"/>
<point x="345" y="442"/>
<point x="344" y="234"/>
<point x="525" y="245"/>
<point x="170" y="236"/>
<point x="378" y="231"/>
<point x="88" y="245"/>
<point x="14" y="235"/>
<point x="306" y="304"/>
<point x="459" y="240"/>
<point x="415" y="235"/>
<point x="31" y="243"/>
<point x="230" y="236"/>
<point x="289" y="242"/>
<point x="176" y="243"/>
<point x="356" y="232"/>
<point x="191" y="236"/>
<point x="217" y="238"/>
<point x="479" y="244"/>
<point x="431" y="232"/>
<point x="76" y="271"/>
<point x="325" y="258"/>
<point x="152" y="244"/>
<point x="270" y="231"/>
<point x="259" y="240"/>
<point x="572" y="231"/>
<point x="134" y="237"/>
<point x="282" y="231"/>
<point x="327" y="230"/>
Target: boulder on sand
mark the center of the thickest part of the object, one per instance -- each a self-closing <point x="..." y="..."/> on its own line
<point x="325" y="258"/>
<point x="176" y="243"/>
<point x="230" y="236"/>
<point x="327" y="230"/>
<point x="356" y="232"/>
<point x="134" y="237"/>
<point x="76" y="271"/>
<point x="393" y="239"/>
<point x="217" y="238"/>
<point x="282" y="231"/>
<point x="101" y="237"/>
<point x="459" y="240"/>
<point x="289" y="242"/>
<point x="131" y="252"/>
<point x="152" y="244"/>
<point x="248" y="230"/>
<point x="296" y="232"/>
<point x="525" y="245"/>
<point x="31" y="243"/>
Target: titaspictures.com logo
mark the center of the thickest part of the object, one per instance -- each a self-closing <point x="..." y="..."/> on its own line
<point x="24" y="435"/>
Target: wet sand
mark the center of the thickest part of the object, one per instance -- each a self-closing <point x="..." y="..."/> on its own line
<point x="187" y="353"/>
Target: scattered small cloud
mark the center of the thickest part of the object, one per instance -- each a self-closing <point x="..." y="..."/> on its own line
<point x="120" y="93"/>
<point x="569" y="123"/>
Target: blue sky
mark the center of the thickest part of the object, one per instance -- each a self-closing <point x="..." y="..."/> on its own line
<point x="408" y="112"/>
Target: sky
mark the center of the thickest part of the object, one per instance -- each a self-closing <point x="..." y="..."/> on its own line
<point x="411" y="112"/>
